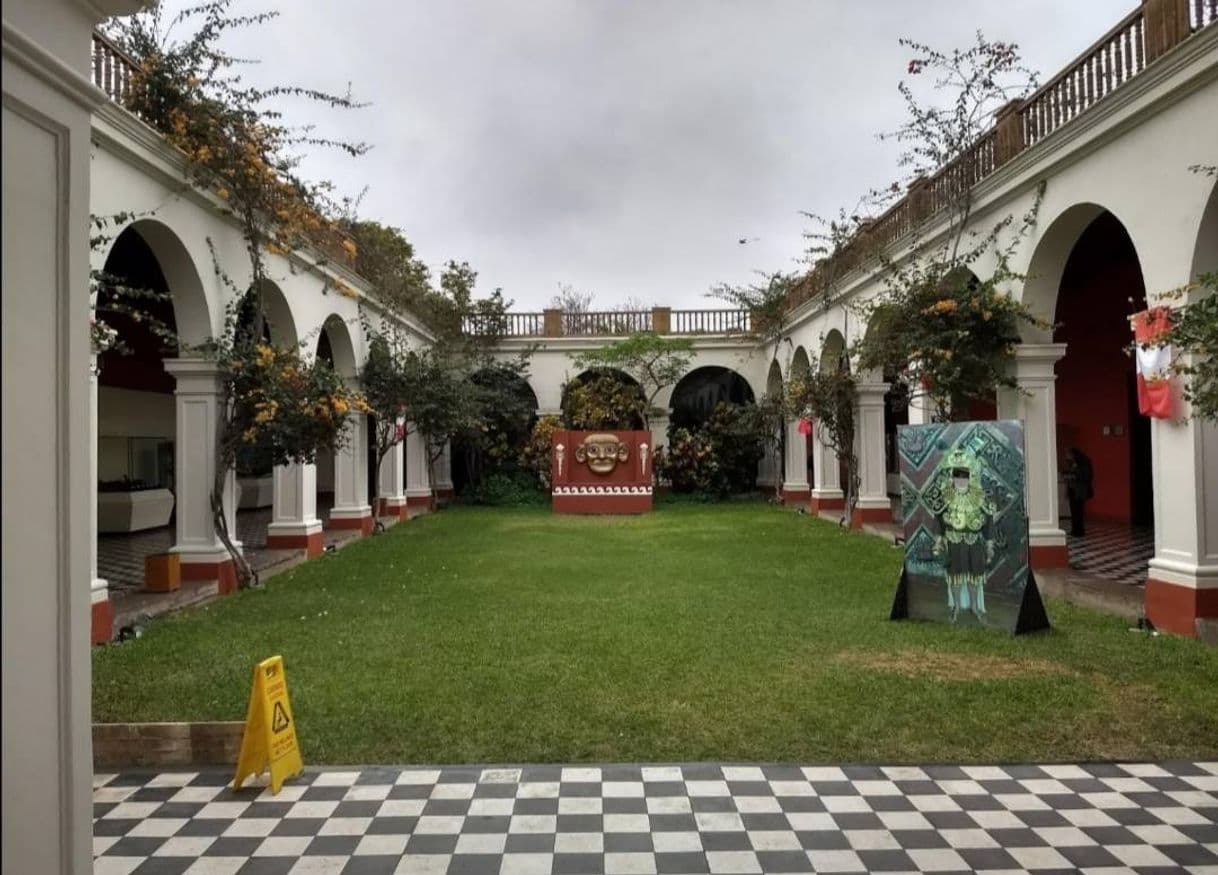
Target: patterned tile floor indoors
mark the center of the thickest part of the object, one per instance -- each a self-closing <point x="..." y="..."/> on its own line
<point x="1095" y="818"/>
<point x="120" y="557"/>
<point x="1113" y="552"/>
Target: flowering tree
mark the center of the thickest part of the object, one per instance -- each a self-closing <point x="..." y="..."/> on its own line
<point x="655" y="362"/>
<point x="1194" y="339"/>
<point x="238" y="148"/>
<point x="830" y="397"/>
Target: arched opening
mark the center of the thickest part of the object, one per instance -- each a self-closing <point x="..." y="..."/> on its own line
<point x="699" y="392"/>
<point x="776" y="458"/>
<point x="255" y="471"/>
<point x="334" y="347"/>
<point x="496" y="449"/>
<point x="1100" y="285"/>
<point x="152" y="299"/>
<point x="1205" y="252"/>
<point x="608" y="383"/>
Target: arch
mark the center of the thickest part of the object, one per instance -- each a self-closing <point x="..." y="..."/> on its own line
<point x="594" y="373"/>
<point x="191" y="313"/>
<point x="833" y="353"/>
<point x="278" y="315"/>
<point x="1205" y="252"/>
<point x="334" y="344"/>
<point x="1048" y="263"/>
<point x="1098" y="275"/>
<point x="800" y="364"/>
<point x="696" y="395"/>
<point x="773" y="380"/>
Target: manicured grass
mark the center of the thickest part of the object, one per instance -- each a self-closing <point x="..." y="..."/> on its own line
<point x="736" y="632"/>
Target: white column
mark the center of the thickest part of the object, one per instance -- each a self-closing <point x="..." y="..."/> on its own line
<point x="418" y="485"/>
<point x="1183" y="580"/>
<point x="197" y="406"/>
<point x="826" y="474"/>
<point x="351" y="509"/>
<point x="1034" y="402"/>
<point x="795" y="479"/>
<point x="442" y="472"/>
<point x="874" y="504"/>
<point x="294" y="523"/>
<point x="391" y="480"/>
<point x="99" y="591"/>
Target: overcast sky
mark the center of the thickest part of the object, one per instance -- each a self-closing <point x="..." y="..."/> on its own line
<point x="625" y="146"/>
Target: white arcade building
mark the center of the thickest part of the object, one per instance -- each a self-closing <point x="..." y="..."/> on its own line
<point x="1112" y="138"/>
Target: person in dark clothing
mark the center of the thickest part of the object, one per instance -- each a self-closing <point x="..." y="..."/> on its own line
<point x="1079" y="487"/>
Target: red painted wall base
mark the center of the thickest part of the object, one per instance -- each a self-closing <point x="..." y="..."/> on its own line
<point x="365" y="524"/>
<point x="1049" y="556"/>
<point x="871" y="515"/>
<point x="102" y="622"/>
<point x="446" y="494"/>
<point x="421" y="502"/>
<point x="795" y="496"/>
<point x="601" y="504"/>
<point x="816" y="505"/>
<point x="223" y="572"/>
<point x="313" y="543"/>
<point x="1175" y="608"/>
<point x="384" y="508"/>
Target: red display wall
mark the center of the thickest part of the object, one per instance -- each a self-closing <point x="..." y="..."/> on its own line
<point x="626" y="485"/>
<point x="1094" y="379"/>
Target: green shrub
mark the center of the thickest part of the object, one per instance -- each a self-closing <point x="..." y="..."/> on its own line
<point x="506" y="490"/>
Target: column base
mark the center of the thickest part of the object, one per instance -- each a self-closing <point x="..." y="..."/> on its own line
<point x="353" y="518"/>
<point x="394" y="506"/>
<point x="223" y="571"/>
<point x="420" y="502"/>
<point x="1176" y="608"/>
<point x="102" y="620"/>
<point x="1049" y="556"/>
<point x="296" y="536"/>
<point x="445" y="493"/>
<point x="873" y="514"/>
<point x="795" y="494"/>
<point x="826" y="499"/>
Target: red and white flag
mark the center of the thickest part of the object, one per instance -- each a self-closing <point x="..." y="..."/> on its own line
<point x="805" y="427"/>
<point x="1153" y="356"/>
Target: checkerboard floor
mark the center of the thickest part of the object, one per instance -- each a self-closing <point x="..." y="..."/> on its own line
<point x="1113" y="552"/>
<point x="1094" y="818"/>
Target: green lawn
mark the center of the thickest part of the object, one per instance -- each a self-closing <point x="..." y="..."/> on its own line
<point x="735" y="632"/>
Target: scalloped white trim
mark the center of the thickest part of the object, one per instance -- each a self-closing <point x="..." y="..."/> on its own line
<point x="602" y="490"/>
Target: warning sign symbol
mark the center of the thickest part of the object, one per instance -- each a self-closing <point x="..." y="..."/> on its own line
<point x="279" y="719"/>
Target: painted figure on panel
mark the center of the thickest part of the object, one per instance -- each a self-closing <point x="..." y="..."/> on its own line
<point x="965" y="543"/>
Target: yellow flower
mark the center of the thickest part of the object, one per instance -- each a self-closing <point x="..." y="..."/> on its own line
<point x="340" y="405"/>
<point x="349" y="248"/>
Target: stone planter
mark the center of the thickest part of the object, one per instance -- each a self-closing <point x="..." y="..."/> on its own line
<point x="255" y="492"/>
<point x="133" y="511"/>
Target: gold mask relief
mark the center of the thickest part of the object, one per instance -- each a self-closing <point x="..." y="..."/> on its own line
<point x="601" y="452"/>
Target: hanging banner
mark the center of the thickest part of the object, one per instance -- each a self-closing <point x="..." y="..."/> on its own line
<point x="1153" y="358"/>
<point x="269" y="741"/>
<point x="805" y="427"/>
<point x="966" y="527"/>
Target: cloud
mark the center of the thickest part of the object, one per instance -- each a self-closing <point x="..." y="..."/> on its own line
<point x="624" y="146"/>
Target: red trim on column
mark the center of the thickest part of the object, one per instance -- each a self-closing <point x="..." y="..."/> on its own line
<point x="365" y="524"/>
<point x="795" y="496"/>
<point x="223" y="572"/>
<point x="102" y="622"/>
<point x="1049" y="556"/>
<point x="313" y="543"/>
<point x="446" y="494"/>
<point x="426" y="502"/>
<point x="816" y="505"/>
<point x="871" y="515"/>
<point x="391" y="510"/>
<point x="1175" y="608"/>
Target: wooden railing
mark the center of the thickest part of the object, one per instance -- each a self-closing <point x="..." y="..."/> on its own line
<point x="611" y="323"/>
<point x="113" y="69"/>
<point x="1109" y="63"/>
<point x="1119" y="55"/>
<point x="710" y="321"/>
<point x="1202" y="13"/>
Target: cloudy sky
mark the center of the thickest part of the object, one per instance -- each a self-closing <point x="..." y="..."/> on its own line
<point x="624" y="147"/>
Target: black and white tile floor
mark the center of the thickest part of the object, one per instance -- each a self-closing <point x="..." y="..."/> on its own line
<point x="1094" y="818"/>
<point x="1112" y="552"/>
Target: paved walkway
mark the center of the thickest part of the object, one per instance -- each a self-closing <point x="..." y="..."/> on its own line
<point x="1094" y="818"/>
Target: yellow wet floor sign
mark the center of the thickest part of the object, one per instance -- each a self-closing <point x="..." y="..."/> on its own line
<point x="270" y="735"/>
